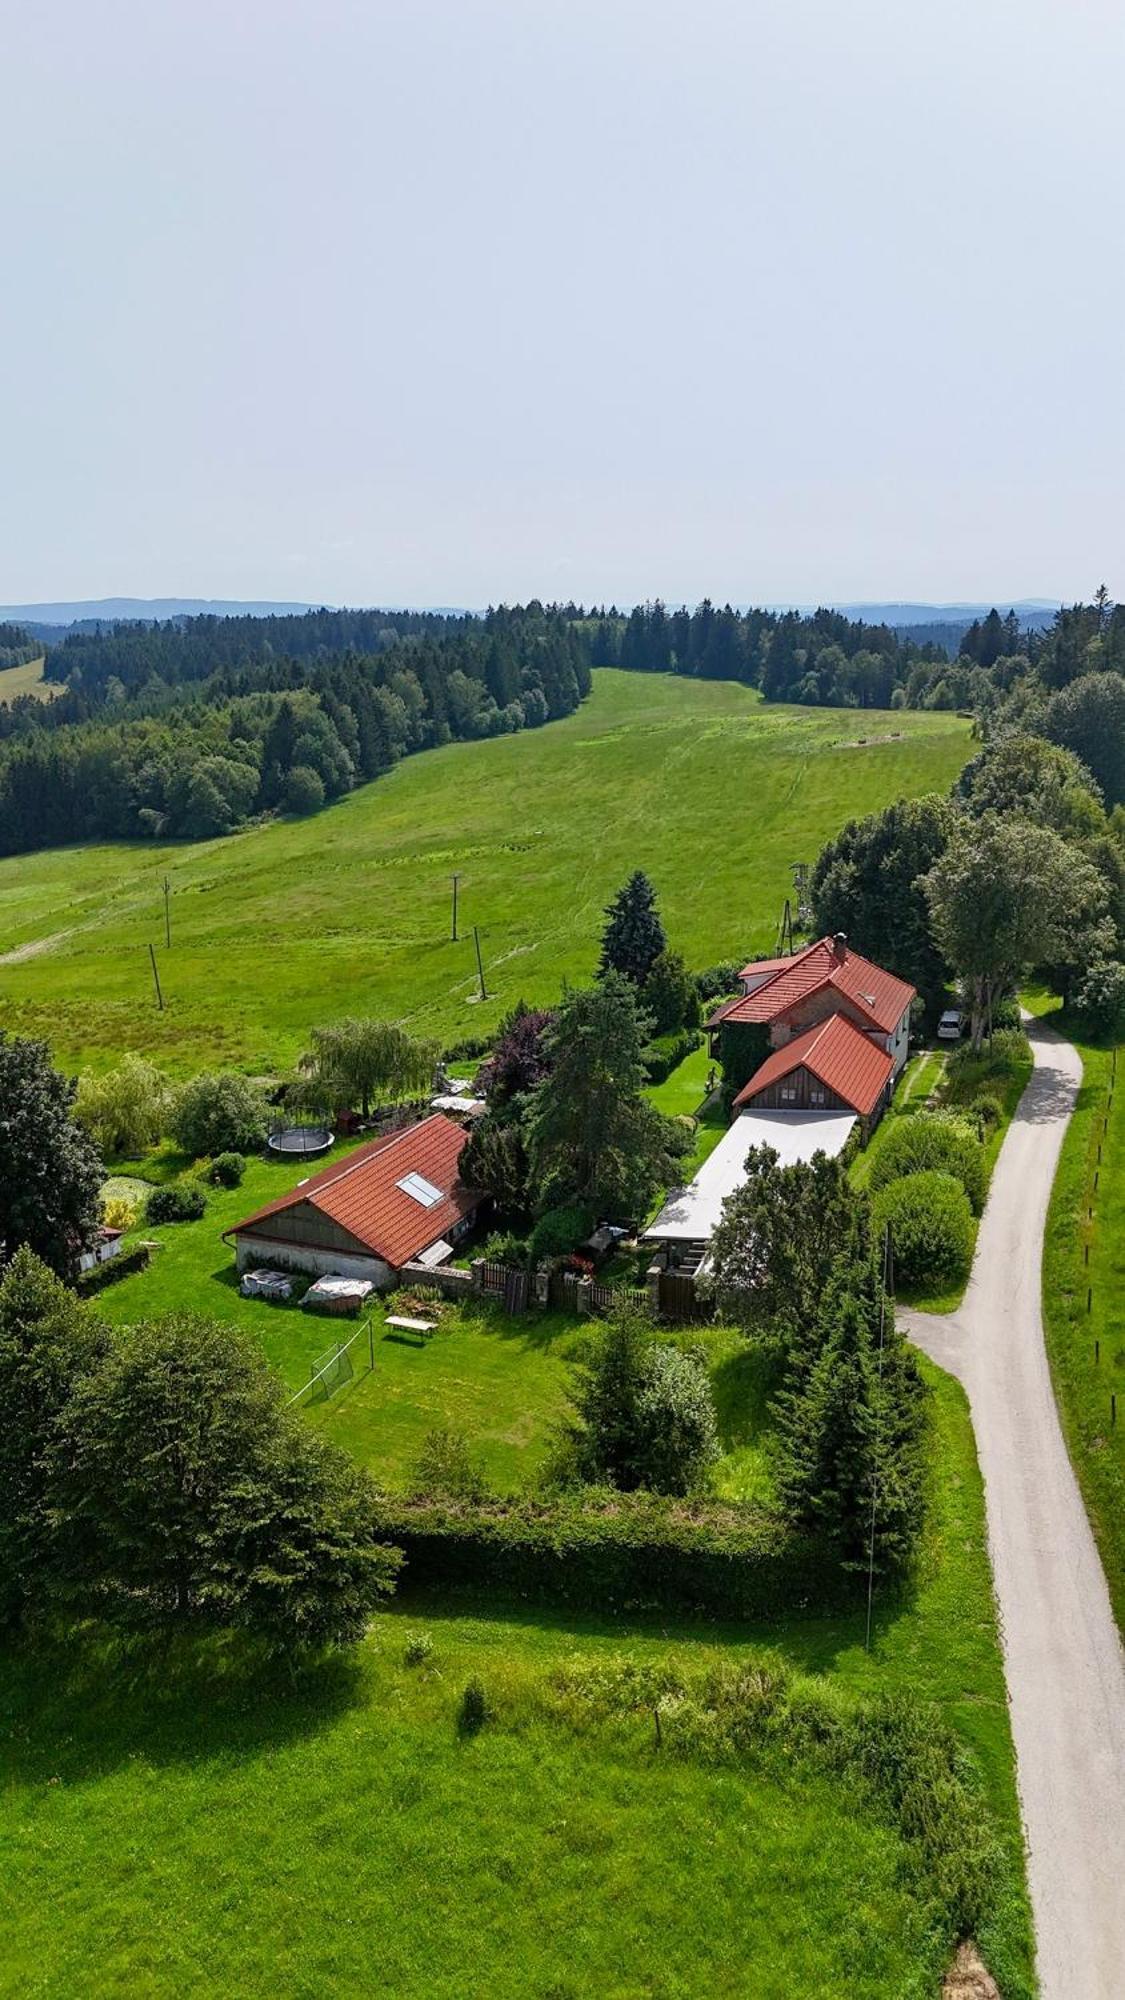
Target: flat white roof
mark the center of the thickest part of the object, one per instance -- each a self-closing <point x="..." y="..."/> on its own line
<point x="692" y="1213"/>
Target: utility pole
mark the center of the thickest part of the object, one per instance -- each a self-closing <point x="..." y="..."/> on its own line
<point x="480" y="968"/>
<point x="156" y="980"/>
<point x="456" y="879"/>
<point x="167" y="914"/>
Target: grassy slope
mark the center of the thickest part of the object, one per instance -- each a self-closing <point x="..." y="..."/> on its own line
<point x="170" y="1837"/>
<point x="1094" y="1148"/>
<point x="713" y="792"/>
<point x="26" y="680"/>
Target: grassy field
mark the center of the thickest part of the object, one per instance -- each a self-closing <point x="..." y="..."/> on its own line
<point x="1084" y="1303"/>
<point x="713" y="792"/>
<point x="26" y="680"/>
<point x="683" y="1094"/>
<point x="168" y="1832"/>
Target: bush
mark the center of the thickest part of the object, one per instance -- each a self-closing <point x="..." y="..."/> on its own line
<point x="608" y="1551"/>
<point x="505" y="1247"/>
<point x="444" y="1468"/>
<point x="558" y="1232"/>
<point x="1099" y="1000"/>
<point x="417" y="1650"/>
<point x="473" y="1713"/>
<point x="931" y="1227"/>
<point x="931" y="1140"/>
<point x="181" y="1202"/>
<point x="645" y="1415"/>
<point x="226" y="1169"/>
<point x="119" y="1211"/>
<point x="220" y="1113"/>
<point x="987" y="1112"/>
<point x="668" y="1052"/>
<point x="1006" y="1015"/>
<point x="718" y="980"/>
<point x="122" y="1266"/>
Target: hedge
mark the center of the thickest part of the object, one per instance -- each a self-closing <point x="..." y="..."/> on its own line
<point x="121" y="1266"/>
<point x="667" y="1053"/>
<point x="608" y="1551"/>
<point x="931" y="1140"/>
<point x="931" y="1227"/>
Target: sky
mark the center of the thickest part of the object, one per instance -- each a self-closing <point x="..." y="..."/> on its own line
<point x="447" y="302"/>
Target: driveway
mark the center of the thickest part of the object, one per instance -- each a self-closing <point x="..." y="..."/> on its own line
<point x="1063" y="1657"/>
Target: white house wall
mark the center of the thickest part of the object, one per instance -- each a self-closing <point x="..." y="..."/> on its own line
<point x="250" y="1251"/>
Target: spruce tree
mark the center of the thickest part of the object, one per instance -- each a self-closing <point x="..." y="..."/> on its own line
<point x="852" y="1425"/>
<point x="633" y="938"/>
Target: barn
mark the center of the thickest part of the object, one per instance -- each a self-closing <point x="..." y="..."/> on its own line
<point x="395" y="1201"/>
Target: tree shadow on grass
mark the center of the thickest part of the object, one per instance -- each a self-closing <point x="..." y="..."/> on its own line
<point x="80" y="1707"/>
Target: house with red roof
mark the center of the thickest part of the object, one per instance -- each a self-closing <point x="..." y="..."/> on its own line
<point x="783" y="998"/>
<point x="398" y="1200"/>
<point x="833" y="1066"/>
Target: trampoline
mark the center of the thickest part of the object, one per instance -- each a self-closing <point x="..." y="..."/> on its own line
<point x="300" y="1142"/>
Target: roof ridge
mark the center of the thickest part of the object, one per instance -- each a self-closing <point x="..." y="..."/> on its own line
<point x="364" y="1153"/>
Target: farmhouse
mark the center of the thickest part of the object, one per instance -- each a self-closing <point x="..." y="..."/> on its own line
<point x="395" y="1200"/>
<point x="783" y="997"/>
<point x="832" y="1067"/>
<point x="690" y="1215"/>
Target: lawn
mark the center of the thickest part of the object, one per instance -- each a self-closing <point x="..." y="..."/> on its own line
<point x="1084" y="1303"/>
<point x="712" y="791"/>
<point x="168" y="1833"/>
<point x="684" y="1094"/>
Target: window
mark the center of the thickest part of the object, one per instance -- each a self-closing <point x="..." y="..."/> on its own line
<point x="788" y="1093"/>
<point x="816" y="1097"/>
<point x="419" y="1189"/>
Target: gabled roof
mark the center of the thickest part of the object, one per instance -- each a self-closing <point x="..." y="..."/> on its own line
<point x="877" y="995"/>
<point x="758" y="967"/>
<point x="363" y="1195"/>
<point x="838" y="1054"/>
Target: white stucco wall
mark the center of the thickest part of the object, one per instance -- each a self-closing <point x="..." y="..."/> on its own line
<point x="252" y="1251"/>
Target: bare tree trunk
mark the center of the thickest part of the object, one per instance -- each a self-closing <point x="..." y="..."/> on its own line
<point x="980" y="1002"/>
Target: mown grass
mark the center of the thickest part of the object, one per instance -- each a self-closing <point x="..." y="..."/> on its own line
<point x="684" y="1094"/>
<point x="169" y="1831"/>
<point x="1084" y="1302"/>
<point x="713" y="792"/>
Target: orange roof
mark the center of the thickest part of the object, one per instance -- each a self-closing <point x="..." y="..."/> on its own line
<point x="362" y="1193"/>
<point x="758" y="966"/>
<point x="838" y="1054"/>
<point x="876" y="994"/>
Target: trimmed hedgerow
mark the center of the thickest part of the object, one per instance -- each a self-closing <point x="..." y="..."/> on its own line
<point x="931" y="1141"/>
<point x="931" y="1227"/>
<point x="121" y="1266"/>
<point x="604" y="1550"/>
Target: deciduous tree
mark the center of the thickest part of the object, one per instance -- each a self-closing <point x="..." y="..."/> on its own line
<point x="50" y="1173"/>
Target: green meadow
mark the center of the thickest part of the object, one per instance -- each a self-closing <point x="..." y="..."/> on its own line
<point x="715" y="793"/>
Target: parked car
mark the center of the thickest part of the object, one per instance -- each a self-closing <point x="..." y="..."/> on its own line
<point x="951" y="1027"/>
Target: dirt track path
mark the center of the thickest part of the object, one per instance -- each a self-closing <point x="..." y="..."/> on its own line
<point x="1063" y="1656"/>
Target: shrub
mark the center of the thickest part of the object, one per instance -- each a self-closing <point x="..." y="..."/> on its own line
<point x="219" y="1113"/>
<point x="666" y="1054"/>
<point x="718" y="980"/>
<point x="183" y="1201"/>
<point x="559" y="1231"/>
<point x="124" y="1265"/>
<point x="119" y="1211"/>
<point x="1006" y="1015"/>
<point x="226" y="1169"/>
<point x="444" y="1468"/>
<point x="1099" y="1000"/>
<point x="505" y="1247"/>
<point x="931" y="1140"/>
<point x="931" y="1227"/>
<point x="605" y="1551"/>
<point x="987" y="1112"/>
<point x="473" y="1713"/>
<point x="417" y="1650"/>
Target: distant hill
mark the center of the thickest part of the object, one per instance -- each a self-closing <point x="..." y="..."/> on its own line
<point x="110" y="610"/>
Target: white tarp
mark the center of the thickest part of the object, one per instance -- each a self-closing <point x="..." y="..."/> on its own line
<point x="691" y="1214"/>
<point x="338" y="1288"/>
<point x="438" y="1253"/>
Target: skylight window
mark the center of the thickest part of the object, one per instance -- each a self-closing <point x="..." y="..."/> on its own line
<point x="419" y="1189"/>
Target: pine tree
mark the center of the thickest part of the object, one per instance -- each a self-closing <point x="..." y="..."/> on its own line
<point x="633" y="938"/>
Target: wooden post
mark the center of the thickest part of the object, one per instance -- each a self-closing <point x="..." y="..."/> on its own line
<point x="156" y="979"/>
<point x="167" y="914"/>
<point x="456" y="879"/>
<point x="480" y="967"/>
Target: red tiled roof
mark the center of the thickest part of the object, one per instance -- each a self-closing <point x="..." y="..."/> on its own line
<point x="838" y="1054"/>
<point x="362" y="1195"/>
<point x="757" y="967"/>
<point x="878" y="995"/>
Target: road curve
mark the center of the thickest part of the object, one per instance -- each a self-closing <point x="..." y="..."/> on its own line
<point x="1062" y="1654"/>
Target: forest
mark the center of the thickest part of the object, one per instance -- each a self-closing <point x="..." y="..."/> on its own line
<point x="190" y="728"/>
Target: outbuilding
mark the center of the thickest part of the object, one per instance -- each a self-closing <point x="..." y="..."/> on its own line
<point x="394" y="1200"/>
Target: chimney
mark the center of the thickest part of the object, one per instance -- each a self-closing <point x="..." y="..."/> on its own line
<point x="840" y="945"/>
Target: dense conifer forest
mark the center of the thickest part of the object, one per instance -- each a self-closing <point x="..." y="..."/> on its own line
<point x="189" y="728"/>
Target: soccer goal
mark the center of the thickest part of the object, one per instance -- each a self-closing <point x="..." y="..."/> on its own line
<point x="331" y="1370"/>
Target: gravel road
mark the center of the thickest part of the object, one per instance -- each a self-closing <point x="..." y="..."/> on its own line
<point x="1063" y="1656"/>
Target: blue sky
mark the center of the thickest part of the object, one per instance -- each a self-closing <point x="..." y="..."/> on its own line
<point x="444" y="303"/>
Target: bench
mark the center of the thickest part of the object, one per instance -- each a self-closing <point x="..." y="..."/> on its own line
<point x="422" y="1327"/>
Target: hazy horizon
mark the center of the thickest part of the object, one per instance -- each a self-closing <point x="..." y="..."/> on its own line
<point x="463" y="304"/>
